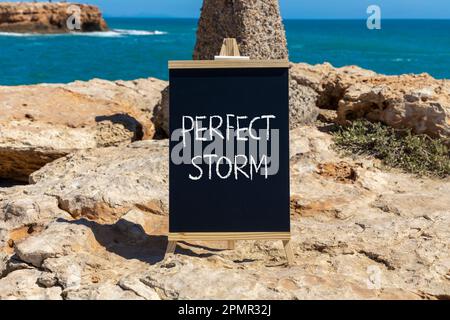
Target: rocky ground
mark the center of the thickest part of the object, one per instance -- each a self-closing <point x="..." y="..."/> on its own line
<point x="28" y="17"/>
<point x="93" y="225"/>
<point x="41" y="123"/>
<point x="93" y="220"/>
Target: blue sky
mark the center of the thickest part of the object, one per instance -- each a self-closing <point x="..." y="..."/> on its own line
<point x="303" y="9"/>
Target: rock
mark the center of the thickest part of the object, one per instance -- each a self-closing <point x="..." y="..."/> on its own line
<point x="132" y="283"/>
<point x="181" y="282"/>
<point x="356" y="233"/>
<point x="22" y="285"/>
<point x="106" y="183"/>
<point x="341" y="221"/>
<point x="174" y="280"/>
<point x="256" y="25"/>
<point x="47" y="280"/>
<point x="23" y="214"/>
<point x="101" y="292"/>
<point x="19" y="210"/>
<point x="142" y="96"/>
<point x="3" y="263"/>
<point x="302" y="105"/>
<point x="48" y="17"/>
<point x="90" y="114"/>
<point x="417" y="102"/>
<point x="67" y="268"/>
<point x="57" y="240"/>
<point x="132" y="225"/>
<point x="14" y="264"/>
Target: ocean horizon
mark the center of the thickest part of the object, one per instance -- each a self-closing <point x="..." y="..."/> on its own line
<point x="141" y="47"/>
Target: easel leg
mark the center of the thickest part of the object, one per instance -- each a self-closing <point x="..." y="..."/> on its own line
<point x="231" y="244"/>
<point x="171" y="246"/>
<point x="289" y="252"/>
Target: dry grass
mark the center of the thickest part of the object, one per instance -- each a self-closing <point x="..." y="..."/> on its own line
<point x="418" y="154"/>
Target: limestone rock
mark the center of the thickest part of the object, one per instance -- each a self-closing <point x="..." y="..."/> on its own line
<point x="47" y="280"/>
<point x="356" y="233"/>
<point x="132" y="225"/>
<point x="41" y="123"/>
<point x="259" y="31"/>
<point x="180" y="280"/>
<point x="417" y="102"/>
<point x="256" y="25"/>
<point x="23" y="213"/>
<point x="161" y="115"/>
<point x="302" y="105"/>
<point x="106" y="183"/>
<point x="57" y="240"/>
<point x="142" y="96"/>
<point x="22" y="285"/>
<point x="134" y="284"/>
<point x="3" y="263"/>
<point x="19" y="210"/>
<point x="48" y="17"/>
<point x="101" y="292"/>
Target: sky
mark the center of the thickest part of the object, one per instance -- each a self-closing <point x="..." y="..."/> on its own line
<point x="290" y="9"/>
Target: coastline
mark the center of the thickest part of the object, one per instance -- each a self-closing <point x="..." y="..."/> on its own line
<point x="151" y="42"/>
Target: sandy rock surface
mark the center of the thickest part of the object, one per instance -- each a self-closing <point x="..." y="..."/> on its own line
<point x="417" y="102"/>
<point x="359" y="232"/>
<point x="41" y="123"/>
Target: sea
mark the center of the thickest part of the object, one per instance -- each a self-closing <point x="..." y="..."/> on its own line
<point x="140" y="48"/>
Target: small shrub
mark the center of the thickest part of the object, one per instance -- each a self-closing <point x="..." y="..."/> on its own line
<point x="418" y="154"/>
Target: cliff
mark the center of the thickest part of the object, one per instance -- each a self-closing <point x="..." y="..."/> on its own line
<point x="42" y="17"/>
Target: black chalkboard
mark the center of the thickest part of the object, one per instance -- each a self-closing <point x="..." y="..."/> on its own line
<point x="204" y="99"/>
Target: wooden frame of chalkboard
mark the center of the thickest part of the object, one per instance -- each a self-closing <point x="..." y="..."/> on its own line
<point x="212" y="69"/>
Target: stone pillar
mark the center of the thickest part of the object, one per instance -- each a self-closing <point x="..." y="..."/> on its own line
<point x="256" y="24"/>
<point x="259" y="30"/>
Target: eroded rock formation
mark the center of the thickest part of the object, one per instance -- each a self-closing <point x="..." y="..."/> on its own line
<point x="26" y="17"/>
<point x="41" y="123"/>
<point x="417" y="102"/>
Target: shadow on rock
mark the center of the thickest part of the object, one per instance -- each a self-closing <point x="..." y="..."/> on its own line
<point x="8" y="183"/>
<point x="130" y="241"/>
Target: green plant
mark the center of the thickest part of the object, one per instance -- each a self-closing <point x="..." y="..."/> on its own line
<point x="418" y="154"/>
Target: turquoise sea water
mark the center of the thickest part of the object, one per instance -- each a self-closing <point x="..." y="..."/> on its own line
<point x="141" y="48"/>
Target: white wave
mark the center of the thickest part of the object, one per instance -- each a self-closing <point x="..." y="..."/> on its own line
<point x="401" y="59"/>
<point x="103" y="34"/>
<point x="14" y="34"/>
<point x="140" y="32"/>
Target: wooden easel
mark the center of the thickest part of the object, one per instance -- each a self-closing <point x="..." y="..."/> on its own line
<point x="230" y="49"/>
